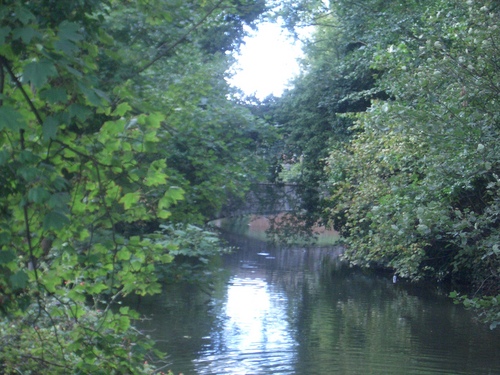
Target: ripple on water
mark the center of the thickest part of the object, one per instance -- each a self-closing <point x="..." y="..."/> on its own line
<point x="294" y="315"/>
<point x="279" y="362"/>
<point x="255" y="337"/>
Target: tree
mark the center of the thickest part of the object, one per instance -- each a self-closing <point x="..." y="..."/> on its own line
<point x="337" y="79"/>
<point x="416" y="190"/>
<point x="208" y="141"/>
<point x="86" y="136"/>
<point x="402" y="99"/>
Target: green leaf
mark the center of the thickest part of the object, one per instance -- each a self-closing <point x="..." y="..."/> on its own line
<point x="154" y="120"/>
<point x="67" y="47"/>
<point x="163" y="214"/>
<point x="76" y="295"/>
<point x="51" y="280"/>
<point x="102" y="94"/>
<point x="175" y="193"/>
<point x="172" y="195"/>
<point x="151" y="136"/>
<point x="4" y="157"/>
<point x="91" y="95"/>
<point x="55" y="220"/>
<point x="124" y="310"/>
<point x="38" y="72"/>
<point x="38" y="195"/>
<point x="24" y="33"/>
<point x="24" y="15"/>
<point x="123" y="254"/>
<point x="69" y="31"/>
<point x="11" y="119"/>
<point x="104" y="37"/>
<point x="74" y="72"/>
<point x="4" y="31"/>
<point x="496" y="249"/>
<point x="113" y="128"/>
<point x="28" y="157"/>
<point x="19" y="280"/>
<point x="121" y="109"/>
<point x="59" y="200"/>
<point x="29" y="174"/>
<point x="60" y="183"/>
<point x="54" y="95"/>
<point x="155" y="175"/>
<point x="49" y="128"/>
<point x="79" y="111"/>
<point x="128" y="200"/>
<point x="97" y="288"/>
<point x="6" y="256"/>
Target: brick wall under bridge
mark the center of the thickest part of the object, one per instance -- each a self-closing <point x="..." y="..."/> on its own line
<point x="263" y="199"/>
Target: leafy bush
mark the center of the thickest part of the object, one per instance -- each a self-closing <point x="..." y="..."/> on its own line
<point x="419" y="185"/>
<point x="404" y="99"/>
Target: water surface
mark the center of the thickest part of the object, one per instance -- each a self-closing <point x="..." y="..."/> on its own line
<point x="301" y="311"/>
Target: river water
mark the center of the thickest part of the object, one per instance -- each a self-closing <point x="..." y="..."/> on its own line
<point x="301" y="311"/>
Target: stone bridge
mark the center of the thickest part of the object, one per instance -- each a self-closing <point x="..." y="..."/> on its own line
<point x="263" y="199"/>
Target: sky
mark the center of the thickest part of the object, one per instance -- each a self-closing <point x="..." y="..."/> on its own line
<point x="267" y="61"/>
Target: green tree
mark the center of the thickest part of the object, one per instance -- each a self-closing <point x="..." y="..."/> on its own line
<point x="87" y="134"/>
<point x="403" y="100"/>
<point x="213" y="146"/>
<point x="417" y="189"/>
<point x="337" y="79"/>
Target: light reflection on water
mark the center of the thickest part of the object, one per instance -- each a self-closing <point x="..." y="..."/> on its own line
<point x="297" y="311"/>
<point x="255" y="326"/>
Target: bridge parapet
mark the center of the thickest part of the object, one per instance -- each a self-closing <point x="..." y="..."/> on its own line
<point x="264" y="199"/>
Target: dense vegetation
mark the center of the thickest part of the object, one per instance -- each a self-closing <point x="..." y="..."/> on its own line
<point x="119" y="143"/>
<point x="395" y="128"/>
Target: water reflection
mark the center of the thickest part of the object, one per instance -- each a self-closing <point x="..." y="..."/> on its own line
<point x="255" y="337"/>
<point x="298" y="311"/>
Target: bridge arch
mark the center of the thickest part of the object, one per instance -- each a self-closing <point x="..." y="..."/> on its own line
<point x="263" y="199"/>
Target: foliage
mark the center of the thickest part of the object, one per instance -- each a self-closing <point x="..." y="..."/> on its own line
<point x="193" y="250"/>
<point x="64" y="337"/>
<point x="213" y="147"/>
<point x="411" y="178"/>
<point x="487" y="307"/>
<point x="337" y="79"/>
<point x="421" y="186"/>
<point x="90" y="165"/>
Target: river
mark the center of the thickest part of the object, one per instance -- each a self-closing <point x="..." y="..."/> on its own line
<point x="301" y="311"/>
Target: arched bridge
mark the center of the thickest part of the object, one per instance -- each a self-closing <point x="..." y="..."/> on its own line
<point x="263" y="199"/>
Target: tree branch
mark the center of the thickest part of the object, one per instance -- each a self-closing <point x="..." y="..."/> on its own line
<point x="5" y="64"/>
<point x="2" y="83"/>
<point x="19" y="85"/>
<point x="165" y="51"/>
